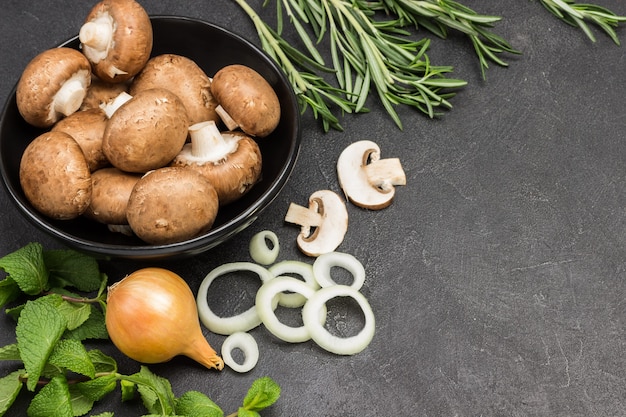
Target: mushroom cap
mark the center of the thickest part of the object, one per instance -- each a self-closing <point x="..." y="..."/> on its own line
<point x="248" y="98"/>
<point x="234" y="174"/>
<point x="55" y="177"/>
<point x="183" y="77"/>
<point x="171" y="204"/>
<point x="146" y="132"/>
<point x="367" y="180"/>
<point x="323" y="225"/>
<point x="42" y="79"/>
<point x="87" y="129"/>
<point x="132" y="40"/>
<point x="111" y="189"/>
<point x="100" y="93"/>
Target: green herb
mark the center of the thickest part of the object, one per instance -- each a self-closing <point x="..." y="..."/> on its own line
<point x="579" y="14"/>
<point x="64" y="377"/>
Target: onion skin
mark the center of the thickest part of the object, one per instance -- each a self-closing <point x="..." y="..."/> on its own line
<point x="152" y="316"/>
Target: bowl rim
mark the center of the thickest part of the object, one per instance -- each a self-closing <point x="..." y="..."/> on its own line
<point x="196" y="245"/>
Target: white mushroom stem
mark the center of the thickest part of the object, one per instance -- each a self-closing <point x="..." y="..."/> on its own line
<point x="207" y="143"/>
<point x="111" y="106"/>
<point x="230" y="123"/>
<point x="96" y="37"/>
<point x="71" y="94"/>
<point x="307" y="218"/>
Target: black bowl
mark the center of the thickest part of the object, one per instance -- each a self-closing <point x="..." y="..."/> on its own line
<point x="211" y="47"/>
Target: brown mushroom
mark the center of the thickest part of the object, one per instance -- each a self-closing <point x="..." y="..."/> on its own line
<point x="52" y="86"/>
<point x="231" y="161"/>
<point x="246" y="100"/>
<point x="323" y="225"/>
<point x="171" y="204"/>
<point x="111" y="189"/>
<point x="146" y="132"/>
<point x="87" y="128"/>
<point x="100" y="92"/>
<point x="116" y="37"/>
<point x="368" y="181"/>
<point x="183" y="77"/>
<point x="55" y="177"/>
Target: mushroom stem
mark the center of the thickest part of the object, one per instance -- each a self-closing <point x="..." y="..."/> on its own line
<point x="96" y="37"/>
<point x="110" y="107"/>
<point x="207" y="142"/>
<point x="70" y="96"/>
<point x="385" y="173"/>
<point x="303" y="216"/>
<point x="230" y="123"/>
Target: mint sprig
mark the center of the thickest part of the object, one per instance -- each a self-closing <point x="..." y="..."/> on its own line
<point x="59" y="300"/>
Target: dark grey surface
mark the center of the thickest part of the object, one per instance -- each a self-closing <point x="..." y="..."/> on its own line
<point x="497" y="275"/>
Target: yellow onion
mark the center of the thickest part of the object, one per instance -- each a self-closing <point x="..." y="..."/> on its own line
<point x="152" y="316"/>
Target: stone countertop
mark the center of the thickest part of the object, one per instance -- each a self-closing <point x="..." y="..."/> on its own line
<point x="497" y="276"/>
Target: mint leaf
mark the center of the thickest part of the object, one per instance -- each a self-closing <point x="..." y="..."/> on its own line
<point x="263" y="393"/>
<point x="10" y="353"/>
<point x="196" y="404"/>
<point x="96" y="389"/>
<point x="128" y="389"/>
<point x="75" y="313"/>
<point x="39" y="328"/>
<point x="72" y="268"/>
<point x="9" y="291"/>
<point x="155" y="391"/>
<point x="105" y="414"/>
<point x="242" y="412"/>
<point x="52" y="400"/>
<point x="80" y="404"/>
<point x="103" y="363"/>
<point x="27" y="268"/>
<point x="93" y="328"/>
<point x="10" y="387"/>
<point x="72" y="355"/>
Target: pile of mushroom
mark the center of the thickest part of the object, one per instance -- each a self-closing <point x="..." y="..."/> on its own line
<point x="132" y="140"/>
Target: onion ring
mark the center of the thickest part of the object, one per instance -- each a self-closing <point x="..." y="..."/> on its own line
<point x="242" y="322"/>
<point x="264" y="298"/>
<point x="324" y="263"/>
<point x="328" y="341"/>
<point x="303" y="269"/>
<point x="260" y="252"/>
<point x="248" y="346"/>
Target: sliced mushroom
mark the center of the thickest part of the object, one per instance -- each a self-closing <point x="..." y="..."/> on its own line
<point x="146" y="132"/>
<point x="231" y="161"/>
<point x="323" y="224"/>
<point x="367" y="180"/>
<point x="246" y="100"/>
<point x="87" y="128"/>
<point x="116" y="37"/>
<point x="52" y="86"/>
<point x="171" y="204"/>
<point x="183" y="77"/>
<point x="110" y="193"/>
<point x="55" y="177"/>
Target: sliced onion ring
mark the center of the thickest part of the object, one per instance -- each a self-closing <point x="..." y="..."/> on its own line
<point x="260" y="252"/>
<point x="242" y="322"/>
<point x="264" y="300"/>
<point x="328" y="341"/>
<point x="324" y="263"/>
<point x="248" y="346"/>
<point x="303" y="269"/>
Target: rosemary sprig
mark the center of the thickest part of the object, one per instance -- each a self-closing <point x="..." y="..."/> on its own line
<point x="439" y="16"/>
<point x="578" y="14"/>
<point x="371" y="52"/>
<point x="302" y="70"/>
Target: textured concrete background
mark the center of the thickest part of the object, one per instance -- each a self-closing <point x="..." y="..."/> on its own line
<point x="497" y="276"/>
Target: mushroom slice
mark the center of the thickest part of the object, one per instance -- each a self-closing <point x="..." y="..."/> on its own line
<point x="116" y="37"/>
<point x="367" y="180"/>
<point x="231" y="161"/>
<point x="183" y="77"/>
<point x="171" y="204"/>
<point x="246" y="100"/>
<point x="55" y="177"/>
<point x="53" y="85"/>
<point x="323" y="224"/>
